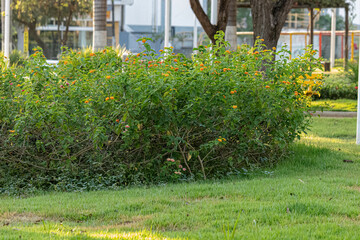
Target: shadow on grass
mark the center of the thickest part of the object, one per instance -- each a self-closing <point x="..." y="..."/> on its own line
<point x="308" y="160"/>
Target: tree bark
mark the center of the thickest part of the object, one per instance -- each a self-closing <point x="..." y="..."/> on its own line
<point x="99" y="22"/>
<point x="204" y="20"/>
<point x="230" y="34"/>
<point x="269" y="17"/>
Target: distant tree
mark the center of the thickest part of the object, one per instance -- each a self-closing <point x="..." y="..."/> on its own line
<point x="244" y="20"/>
<point x="32" y="13"/>
<point x="324" y="22"/>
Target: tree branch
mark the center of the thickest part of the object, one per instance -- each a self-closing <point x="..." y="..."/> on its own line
<point x="203" y="19"/>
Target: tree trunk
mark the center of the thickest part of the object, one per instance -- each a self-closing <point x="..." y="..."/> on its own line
<point x="269" y="18"/>
<point x="99" y="24"/>
<point x="230" y="34"/>
<point x="66" y="33"/>
<point x="204" y="20"/>
<point x="33" y="34"/>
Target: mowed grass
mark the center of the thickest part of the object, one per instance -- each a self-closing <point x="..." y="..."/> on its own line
<point x="342" y="105"/>
<point x="313" y="194"/>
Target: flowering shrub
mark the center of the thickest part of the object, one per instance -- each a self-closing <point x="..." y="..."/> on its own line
<point x="152" y="116"/>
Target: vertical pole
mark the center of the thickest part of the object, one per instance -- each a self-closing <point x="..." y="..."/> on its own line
<point x="333" y="38"/>
<point x="113" y="23"/>
<point x="26" y="41"/>
<point x="122" y="18"/>
<point x="342" y="45"/>
<point x="346" y="36"/>
<point x="121" y="24"/>
<point x="290" y="44"/>
<point x="352" y="46"/>
<point x="358" y="109"/>
<point x="20" y="37"/>
<point x="154" y="16"/>
<point x="312" y="27"/>
<point x="320" y="44"/>
<point x="7" y="30"/>
<point x="167" y="24"/>
<point x="214" y="11"/>
<point x="289" y="19"/>
<point x="195" y="38"/>
<point x="2" y="24"/>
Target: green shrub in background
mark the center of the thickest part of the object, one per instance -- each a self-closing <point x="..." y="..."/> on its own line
<point x="353" y="73"/>
<point x="337" y="86"/>
<point x="97" y="120"/>
<point x="341" y="85"/>
<point x="16" y="57"/>
<point x="339" y="63"/>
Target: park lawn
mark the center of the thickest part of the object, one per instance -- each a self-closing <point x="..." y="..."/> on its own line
<point x="313" y="194"/>
<point x="342" y="105"/>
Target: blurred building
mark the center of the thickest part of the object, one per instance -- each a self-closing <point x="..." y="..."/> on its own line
<point x="147" y="18"/>
<point x="133" y="19"/>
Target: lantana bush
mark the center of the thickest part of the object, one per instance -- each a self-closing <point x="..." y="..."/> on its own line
<point x="99" y="119"/>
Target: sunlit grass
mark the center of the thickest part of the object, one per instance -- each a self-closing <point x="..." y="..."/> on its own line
<point x="51" y="230"/>
<point x="345" y="105"/>
<point x="313" y="194"/>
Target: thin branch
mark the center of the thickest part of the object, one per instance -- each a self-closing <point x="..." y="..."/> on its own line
<point x="203" y="18"/>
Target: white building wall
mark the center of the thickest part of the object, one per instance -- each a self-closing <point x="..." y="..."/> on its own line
<point x="182" y="14"/>
<point x="141" y="12"/>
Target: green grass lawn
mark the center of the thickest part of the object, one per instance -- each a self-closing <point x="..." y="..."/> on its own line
<point x="345" y="105"/>
<point x="313" y="194"/>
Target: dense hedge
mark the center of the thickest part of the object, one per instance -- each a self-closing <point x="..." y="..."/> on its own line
<point x="97" y="120"/>
<point x="337" y="86"/>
